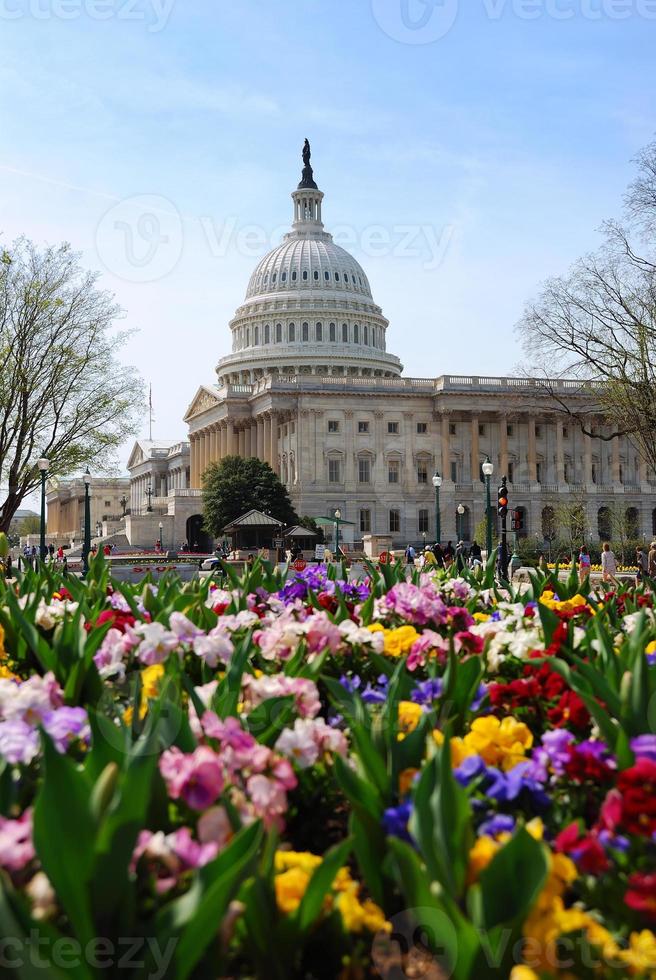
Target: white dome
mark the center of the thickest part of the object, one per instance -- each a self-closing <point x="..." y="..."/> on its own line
<point x="308" y="308"/>
<point x="308" y="263"/>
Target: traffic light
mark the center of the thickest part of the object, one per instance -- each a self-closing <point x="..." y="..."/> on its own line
<point x="517" y="520"/>
<point x="502" y="504"/>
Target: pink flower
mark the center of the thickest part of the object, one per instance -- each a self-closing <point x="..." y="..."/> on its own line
<point x="416" y="605"/>
<point x="298" y="744"/>
<point x="183" y="628"/>
<point x="111" y="655"/>
<point x="268" y="798"/>
<point x="420" y="650"/>
<point x="16" y="847"/>
<point x="322" y="634"/>
<point x="19" y="742"/>
<point x="214" y="826"/>
<point x="468" y="643"/>
<point x="196" y="778"/>
<point x="214" y="648"/>
<point x="169" y="855"/>
<point x="156" y="643"/>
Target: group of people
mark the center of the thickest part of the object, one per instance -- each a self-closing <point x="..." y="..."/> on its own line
<point x="645" y="563"/>
<point x="444" y="557"/>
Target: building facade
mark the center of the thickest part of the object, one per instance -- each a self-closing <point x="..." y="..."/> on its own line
<point x="310" y="388"/>
<point x="109" y="499"/>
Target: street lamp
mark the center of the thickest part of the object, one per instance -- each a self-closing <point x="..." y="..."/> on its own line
<point x="437" y="483"/>
<point x="461" y="514"/>
<point x="44" y="465"/>
<point x="86" y="548"/>
<point x="338" y="517"/>
<point x="149" y="494"/>
<point x="161" y="543"/>
<point x="488" y="470"/>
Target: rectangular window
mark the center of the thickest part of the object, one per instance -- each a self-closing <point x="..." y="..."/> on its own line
<point x="422" y="473"/>
<point x="510" y="430"/>
<point x="108" y="503"/>
<point x="511" y="470"/>
<point x="333" y="425"/>
<point x="452" y="428"/>
<point x="422" y="521"/>
<point x="538" y="431"/>
<point x="395" y="521"/>
<point x="365" y="522"/>
<point x="333" y="471"/>
<point x="393" y="428"/>
<point x="481" y="430"/>
<point x="394" y="470"/>
<point x="454" y="471"/>
<point x="363" y="427"/>
<point x="422" y="428"/>
<point x="364" y="471"/>
<point x="538" y="472"/>
<point x="565" y="432"/>
<point x="594" y="472"/>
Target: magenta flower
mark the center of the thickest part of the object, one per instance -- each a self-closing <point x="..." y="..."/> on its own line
<point x="16" y="848"/>
<point x="197" y="778"/>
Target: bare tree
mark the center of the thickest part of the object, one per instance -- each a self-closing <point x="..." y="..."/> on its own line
<point x="63" y="392"/>
<point x="570" y="518"/>
<point x="597" y="325"/>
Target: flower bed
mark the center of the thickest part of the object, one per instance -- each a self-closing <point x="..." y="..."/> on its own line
<point x="314" y="778"/>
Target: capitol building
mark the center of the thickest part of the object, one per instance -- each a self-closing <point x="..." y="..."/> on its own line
<point x="311" y="388"/>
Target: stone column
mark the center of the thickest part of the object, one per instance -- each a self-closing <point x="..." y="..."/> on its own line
<point x="214" y="446"/>
<point x="410" y="474"/>
<point x="616" y="461"/>
<point x="475" y="462"/>
<point x="560" y="455"/>
<point x="587" y="460"/>
<point x="446" y="448"/>
<point x="532" y="452"/>
<point x="242" y="442"/>
<point x="273" y="449"/>
<point x="349" y="452"/>
<point x="254" y="438"/>
<point x="267" y="439"/>
<point x="223" y="440"/>
<point x="247" y="442"/>
<point x="503" y="447"/>
<point x="642" y="470"/>
<point x="193" y="458"/>
<point x="260" y="437"/>
<point x="230" y="438"/>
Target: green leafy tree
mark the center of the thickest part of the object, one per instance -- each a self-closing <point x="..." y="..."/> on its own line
<point x="311" y="525"/>
<point x="29" y="525"/>
<point x="235" y="485"/>
<point x="64" y="393"/>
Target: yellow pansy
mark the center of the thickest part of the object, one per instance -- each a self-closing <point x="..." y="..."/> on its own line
<point x="481" y="617"/>
<point x="640" y="957"/>
<point x="7" y="674"/>
<point x="523" y="973"/>
<point x="565" y="605"/>
<point x="290" y="888"/>
<point x="376" y="628"/>
<point x="409" y="715"/>
<point x="498" y="742"/>
<point x="480" y="856"/>
<point x="150" y="678"/>
<point x="651" y="647"/>
<point x="400" y="641"/>
<point x="296" y="859"/>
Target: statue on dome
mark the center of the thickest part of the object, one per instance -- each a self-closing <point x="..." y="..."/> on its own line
<point x="307" y="153"/>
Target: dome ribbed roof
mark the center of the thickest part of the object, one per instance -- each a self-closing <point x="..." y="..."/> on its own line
<point x="309" y="263"/>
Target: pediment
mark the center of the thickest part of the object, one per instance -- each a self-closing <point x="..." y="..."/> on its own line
<point x="204" y="399"/>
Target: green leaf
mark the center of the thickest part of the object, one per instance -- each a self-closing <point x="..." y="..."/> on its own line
<point x="320" y="884"/>
<point x="64" y="836"/>
<point x="512" y="881"/>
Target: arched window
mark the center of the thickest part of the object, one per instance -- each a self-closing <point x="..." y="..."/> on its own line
<point x="633" y="523"/>
<point x="316" y="275"/>
<point x="278" y="333"/>
<point x="256" y="336"/>
<point x="337" y="277"/>
<point x="291" y="332"/>
<point x="345" y="333"/>
<point x="306" y="332"/>
<point x="356" y="333"/>
<point x="333" y="333"/>
<point x="294" y="275"/>
<point x="305" y="275"/>
<point x="653" y="522"/>
<point x="603" y="523"/>
<point x="283" y="277"/>
<point x="274" y="278"/>
<point x="326" y="276"/>
<point x="318" y="331"/>
<point x="267" y="333"/>
<point x="346" y="277"/>
<point x="548" y="523"/>
<point x="248" y="336"/>
<point x="366" y="335"/>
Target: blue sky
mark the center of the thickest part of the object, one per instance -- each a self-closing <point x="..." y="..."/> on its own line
<point x="463" y="170"/>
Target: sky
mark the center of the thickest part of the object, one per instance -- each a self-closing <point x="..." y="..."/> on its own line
<point x="468" y="150"/>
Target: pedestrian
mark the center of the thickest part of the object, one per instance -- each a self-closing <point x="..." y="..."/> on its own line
<point x="51" y="551"/>
<point x="651" y="560"/>
<point x="476" y="554"/>
<point x="60" y="553"/>
<point x="641" y="565"/>
<point x="439" y="554"/>
<point x="9" y="569"/>
<point x="410" y="555"/>
<point x="65" y="566"/>
<point x="608" y="564"/>
<point x="461" y="556"/>
<point x="448" y="551"/>
<point x="542" y="563"/>
<point x="429" y="560"/>
<point x="584" y="564"/>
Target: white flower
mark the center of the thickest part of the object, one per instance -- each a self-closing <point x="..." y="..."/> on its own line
<point x="214" y="647"/>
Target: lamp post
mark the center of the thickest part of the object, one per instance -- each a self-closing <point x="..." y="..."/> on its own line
<point x="86" y="548"/>
<point x="461" y="514"/>
<point x="338" y="517"/>
<point x="161" y="530"/>
<point x="488" y="470"/>
<point x="44" y="465"/>
<point x="437" y="483"/>
<point x="98" y="529"/>
<point x="149" y="495"/>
